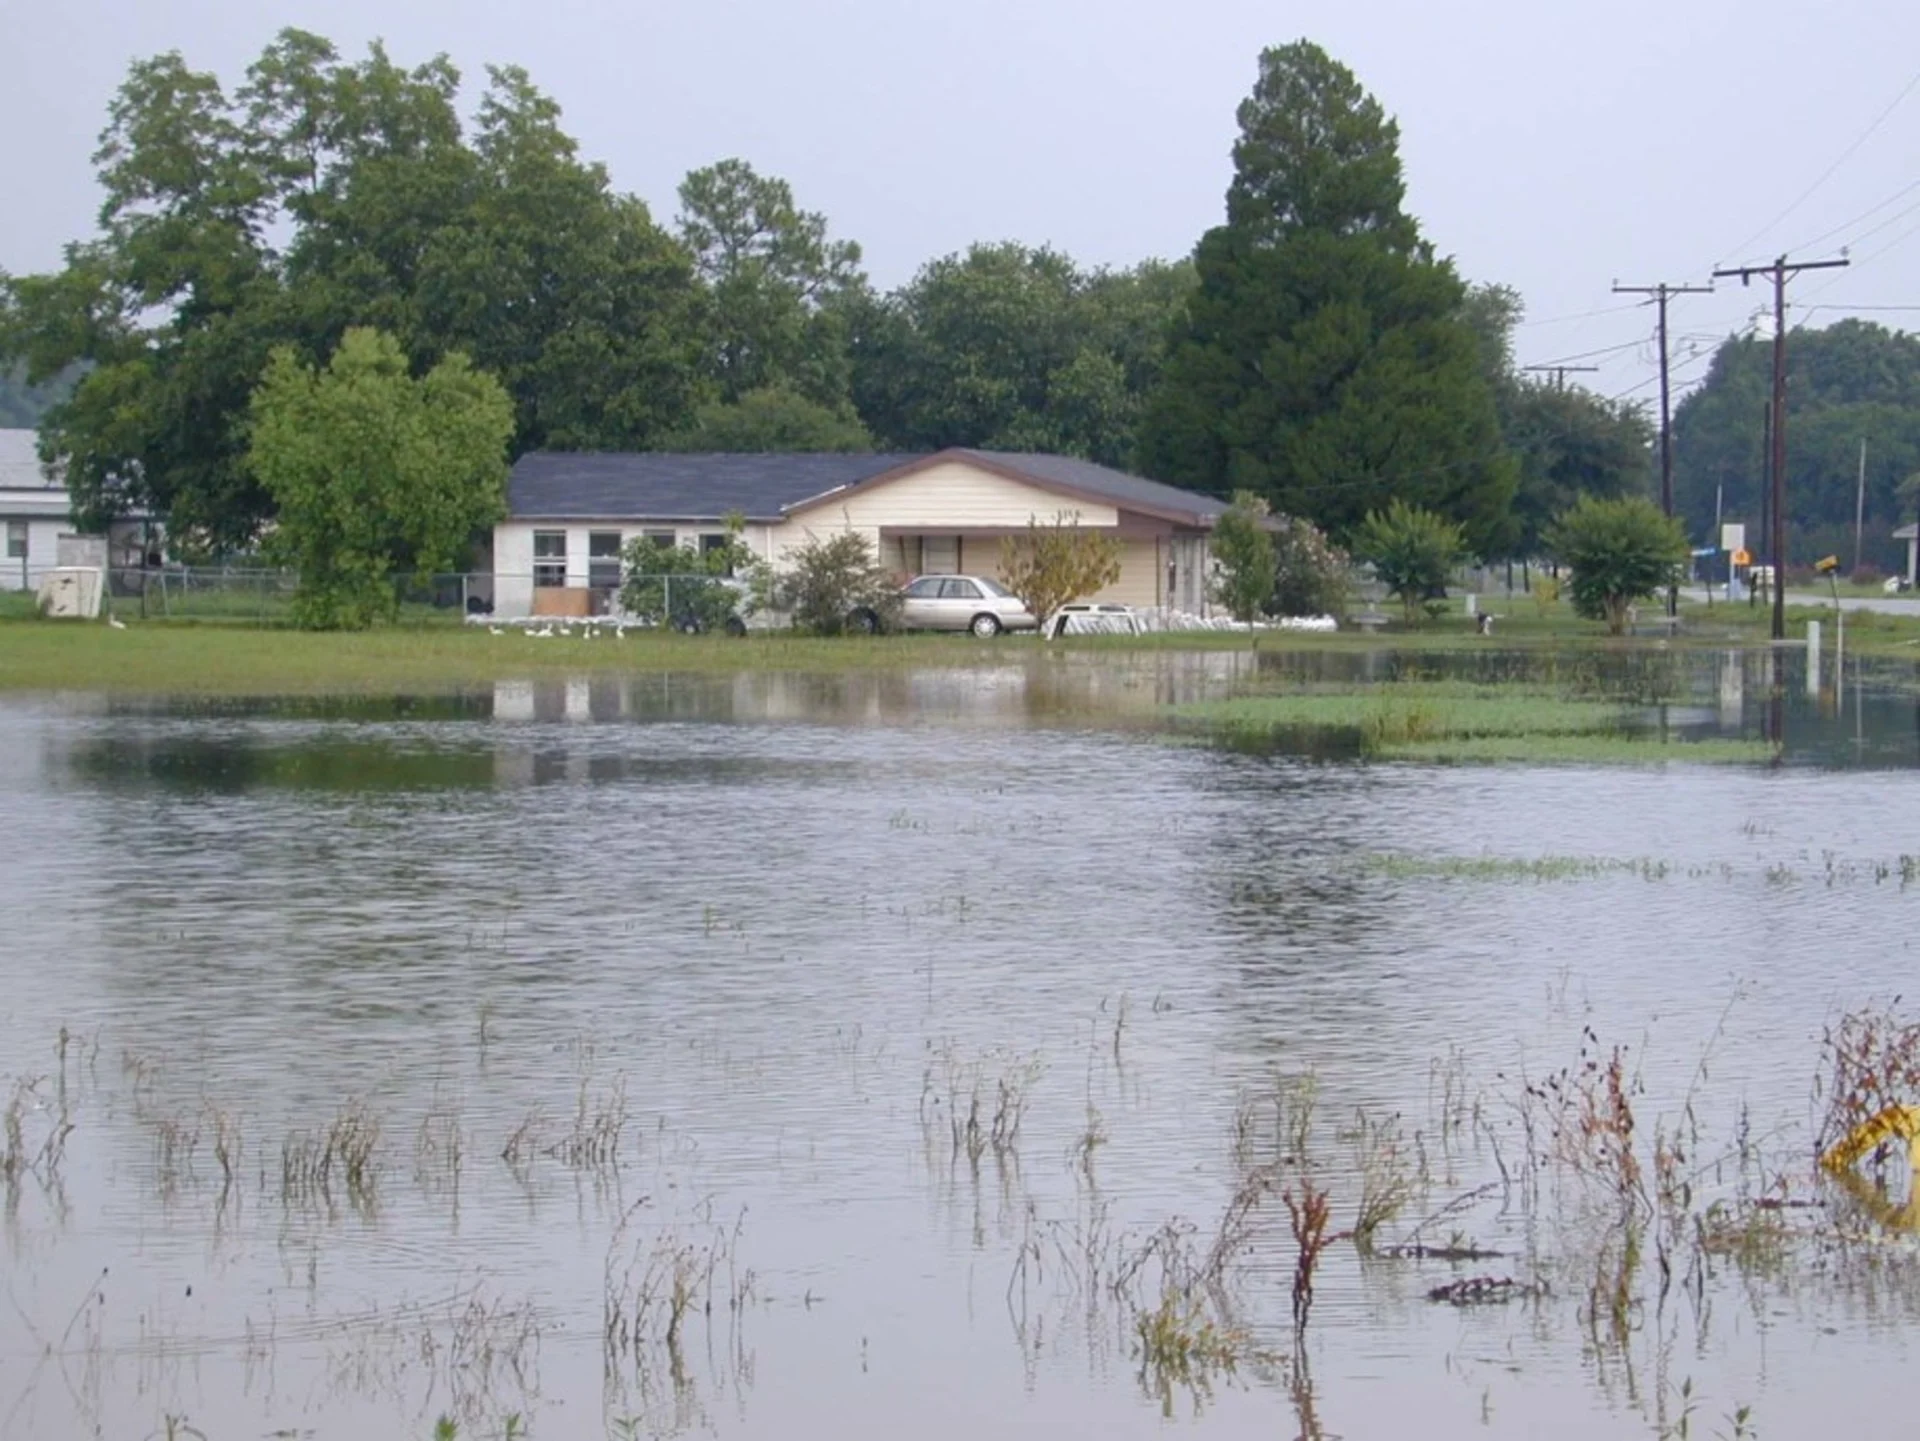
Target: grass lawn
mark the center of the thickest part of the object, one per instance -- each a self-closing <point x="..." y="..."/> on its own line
<point x="160" y="657"/>
<point x="1450" y="721"/>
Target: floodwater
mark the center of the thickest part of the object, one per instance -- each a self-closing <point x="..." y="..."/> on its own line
<point x="629" y="987"/>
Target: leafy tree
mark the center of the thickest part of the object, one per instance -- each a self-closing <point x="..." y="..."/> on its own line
<point x="766" y="421"/>
<point x="1566" y="440"/>
<point x="834" y="584"/>
<point x="1053" y="565"/>
<point x="684" y="587"/>
<point x="1310" y="572"/>
<point x="1007" y="348"/>
<point x="317" y="196"/>
<point x="1413" y="552"/>
<point x="1242" y="548"/>
<point x="1323" y="361"/>
<point x="1848" y="382"/>
<point x="774" y="284"/>
<point x="374" y="471"/>
<point x="1620" y="551"/>
<point x="1571" y="443"/>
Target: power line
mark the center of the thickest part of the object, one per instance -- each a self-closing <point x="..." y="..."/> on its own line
<point x="1588" y="354"/>
<point x="1893" y="244"/>
<point x="1577" y="315"/>
<point x="1561" y="372"/>
<point x="1828" y="173"/>
<point x="1866" y="214"/>
<point x="1678" y="366"/>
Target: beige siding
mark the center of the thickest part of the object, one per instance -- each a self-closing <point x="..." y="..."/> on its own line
<point x="951" y="496"/>
<point x="1139" y="582"/>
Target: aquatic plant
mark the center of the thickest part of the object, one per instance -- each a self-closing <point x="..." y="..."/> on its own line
<point x="346" y="1149"/>
<point x="598" y="1120"/>
<point x="1871" y="1061"/>
<point x="1307" y="1213"/>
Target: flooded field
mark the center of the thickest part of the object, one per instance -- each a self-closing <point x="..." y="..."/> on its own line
<point x="954" y="1054"/>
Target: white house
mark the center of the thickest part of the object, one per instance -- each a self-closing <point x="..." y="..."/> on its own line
<point x="569" y="515"/>
<point x="34" y="513"/>
<point x="1911" y="535"/>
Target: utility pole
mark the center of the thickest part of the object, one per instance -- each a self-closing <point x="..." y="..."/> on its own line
<point x="1780" y="270"/>
<point x="1561" y="372"/>
<point x="1860" y="505"/>
<point x="1660" y="294"/>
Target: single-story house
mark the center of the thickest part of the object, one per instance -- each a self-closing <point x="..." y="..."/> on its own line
<point x="36" y="515"/>
<point x="1911" y="535"/>
<point x="569" y="515"/>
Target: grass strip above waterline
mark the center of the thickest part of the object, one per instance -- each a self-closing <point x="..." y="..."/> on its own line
<point x="1450" y="722"/>
<point x="1401" y="866"/>
<point x="234" y="661"/>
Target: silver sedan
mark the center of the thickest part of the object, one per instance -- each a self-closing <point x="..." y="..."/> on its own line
<point x="963" y="602"/>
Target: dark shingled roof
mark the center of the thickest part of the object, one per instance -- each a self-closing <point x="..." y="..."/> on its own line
<point x="645" y="485"/>
<point x="551" y="485"/>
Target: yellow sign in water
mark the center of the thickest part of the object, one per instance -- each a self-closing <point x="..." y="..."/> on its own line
<point x="1895" y="1122"/>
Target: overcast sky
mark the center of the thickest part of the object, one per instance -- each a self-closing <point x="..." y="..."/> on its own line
<point x="1550" y="145"/>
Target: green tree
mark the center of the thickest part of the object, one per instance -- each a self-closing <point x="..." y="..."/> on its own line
<point x="1323" y="361"/>
<point x="1010" y="348"/>
<point x="1055" y="564"/>
<point x="766" y="421"/>
<point x="374" y="472"/>
<point x="1413" y="552"/>
<point x="1565" y="440"/>
<point x="1242" y="548"/>
<point x="1570" y="443"/>
<point x="1849" y="382"/>
<point x="1620" y="551"/>
<point x="775" y="284"/>
<point x="318" y="195"/>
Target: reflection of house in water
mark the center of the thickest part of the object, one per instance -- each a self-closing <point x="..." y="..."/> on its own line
<point x="1066" y="688"/>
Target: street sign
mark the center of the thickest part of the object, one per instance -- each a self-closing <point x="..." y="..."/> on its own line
<point x="1733" y="537"/>
<point x="1741" y="557"/>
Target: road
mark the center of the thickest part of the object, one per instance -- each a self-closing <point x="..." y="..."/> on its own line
<point x="1885" y="604"/>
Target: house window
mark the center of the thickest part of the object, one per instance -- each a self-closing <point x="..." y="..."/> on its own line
<point x="16" y="540"/>
<point x="659" y="537"/>
<point x="549" y="557"/>
<point x="603" y="559"/>
<point x="711" y="542"/>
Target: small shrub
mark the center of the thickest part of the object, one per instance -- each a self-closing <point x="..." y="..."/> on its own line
<point x="1620" y="551"/>
<point x="1310" y="571"/>
<point x="833" y="583"/>
<point x="681" y="586"/>
<point x="1413" y="552"/>
<point x="1244" y="557"/>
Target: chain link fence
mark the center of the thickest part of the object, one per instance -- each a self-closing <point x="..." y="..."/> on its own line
<point x="240" y="595"/>
<point x="243" y="595"/>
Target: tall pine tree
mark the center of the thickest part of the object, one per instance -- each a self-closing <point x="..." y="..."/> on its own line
<point x="1323" y="362"/>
